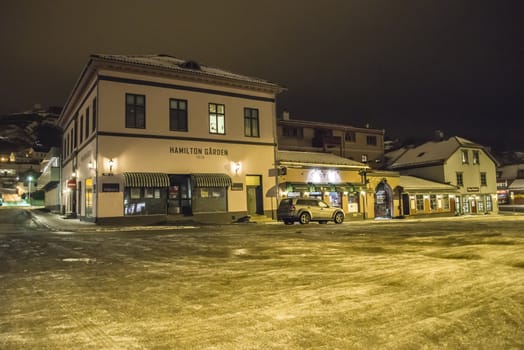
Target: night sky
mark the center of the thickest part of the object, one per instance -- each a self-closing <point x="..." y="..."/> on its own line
<point x="409" y="67"/>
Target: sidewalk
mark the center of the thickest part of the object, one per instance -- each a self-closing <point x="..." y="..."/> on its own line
<point x="60" y="223"/>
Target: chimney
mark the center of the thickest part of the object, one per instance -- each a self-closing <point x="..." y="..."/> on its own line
<point x="439" y="135"/>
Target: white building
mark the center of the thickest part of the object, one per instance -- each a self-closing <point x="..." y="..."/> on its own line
<point x="455" y="161"/>
<point x="151" y="138"/>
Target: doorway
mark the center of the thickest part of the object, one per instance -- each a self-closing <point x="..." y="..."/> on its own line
<point x="254" y="195"/>
<point x="383" y="200"/>
<point x="405" y="204"/>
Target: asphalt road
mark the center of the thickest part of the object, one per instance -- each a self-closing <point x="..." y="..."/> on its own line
<point x="455" y="283"/>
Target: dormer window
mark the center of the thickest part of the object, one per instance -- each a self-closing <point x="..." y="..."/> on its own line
<point x="190" y="65"/>
<point x="465" y="159"/>
<point x="476" y="157"/>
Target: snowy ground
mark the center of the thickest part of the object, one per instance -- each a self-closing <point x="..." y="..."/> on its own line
<point x="455" y="283"/>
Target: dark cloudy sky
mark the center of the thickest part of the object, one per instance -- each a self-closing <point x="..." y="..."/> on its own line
<point x="409" y="67"/>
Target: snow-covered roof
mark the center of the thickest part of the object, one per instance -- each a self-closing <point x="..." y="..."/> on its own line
<point x="432" y="152"/>
<point x="317" y="159"/>
<point x="518" y="184"/>
<point x="311" y="123"/>
<point x="412" y="183"/>
<point x="176" y="64"/>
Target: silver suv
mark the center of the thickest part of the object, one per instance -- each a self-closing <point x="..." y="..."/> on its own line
<point x="305" y="210"/>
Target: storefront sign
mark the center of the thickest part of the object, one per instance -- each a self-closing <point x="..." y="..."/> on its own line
<point x="71" y="184"/>
<point x="473" y="189"/>
<point x="237" y="186"/>
<point x="199" y="151"/>
<point x="111" y="187"/>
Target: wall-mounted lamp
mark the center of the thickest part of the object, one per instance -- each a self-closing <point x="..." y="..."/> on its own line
<point x="111" y="163"/>
<point x="90" y="165"/>
<point x="73" y="174"/>
<point x="236" y="167"/>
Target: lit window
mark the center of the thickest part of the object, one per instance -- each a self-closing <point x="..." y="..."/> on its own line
<point x="420" y="202"/>
<point x="460" y="179"/>
<point x="217" y="119"/>
<point x="433" y="201"/>
<point x="445" y="201"/>
<point x="483" y="179"/>
<point x="465" y="159"/>
<point x="476" y="157"/>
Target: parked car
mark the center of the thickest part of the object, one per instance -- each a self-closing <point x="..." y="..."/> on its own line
<point x="305" y="210"/>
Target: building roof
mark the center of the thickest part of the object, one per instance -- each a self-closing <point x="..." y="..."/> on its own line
<point x="186" y="69"/>
<point x="518" y="184"/>
<point x="315" y="124"/>
<point x="170" y="63"/>
<point x="429" y="153"/>
<point x="317" y="159"/>
<point x="413" y="183"/>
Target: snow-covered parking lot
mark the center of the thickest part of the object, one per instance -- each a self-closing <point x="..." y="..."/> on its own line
<point x="400" y="284"/>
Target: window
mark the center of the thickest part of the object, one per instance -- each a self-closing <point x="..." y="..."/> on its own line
<point x="72" y="137"/>
<point x="350" y="136"/>
<point x="217" y="119"/>
<point x="460" y="179"/>
<point x="251" y="122"/>
<point x="177" y="115"/>
<point x="445" y="202"/>
<point x="135" y="111"/>
<point x="371" y="140"/>
<point x="483" y="179"/>
<point x="465" y="206"/>
<point x="81" y="128"/>
<point x="465" y="159"/>
<point x="87" y="122"/>
<point x="420" y="202"/>
<point x="74" y="132"/>
<point x="293" y="132"/>
<point x="489" y="206"/>
<point x="433" y="201"/>
<point x="476" y="157"/>
<point x="480" y="205"/>
<point x="520" y="174"/>
<point x="94" y="114"/>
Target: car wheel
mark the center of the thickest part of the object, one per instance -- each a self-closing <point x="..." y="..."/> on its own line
<point x="304" y="218"/>
<point x="288" y="222"/>
<point x="339" y="218"/>
<point x="322" y="222"/>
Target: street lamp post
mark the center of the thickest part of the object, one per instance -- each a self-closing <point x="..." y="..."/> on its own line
<point x="29" y="179"/>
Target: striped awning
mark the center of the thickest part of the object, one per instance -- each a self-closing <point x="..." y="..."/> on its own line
<point x="146" y="180"/>
<point x="210" y="180"/>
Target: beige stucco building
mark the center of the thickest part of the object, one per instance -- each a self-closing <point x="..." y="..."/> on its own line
<point x="365" y="145"/>
<point x="155" y="138"/>
<point x="362" y="193"/>
<point x="458" y="162"/>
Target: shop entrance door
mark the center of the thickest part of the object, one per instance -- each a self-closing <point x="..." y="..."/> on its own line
<point x="254" y="194"/>
<point x="405" y="204"/>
